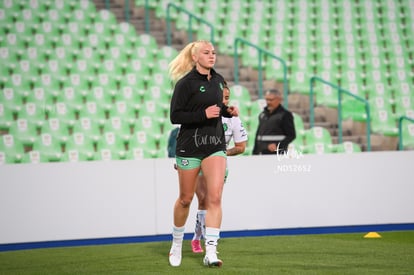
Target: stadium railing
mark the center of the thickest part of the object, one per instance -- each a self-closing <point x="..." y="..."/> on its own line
<point x="191" y="17"/>
<point x="341" y="92"/>
<point x="261" y="52"/>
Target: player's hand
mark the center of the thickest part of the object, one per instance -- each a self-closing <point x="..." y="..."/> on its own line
<point x="213" y="111"/>
<point x="233" y="110"/>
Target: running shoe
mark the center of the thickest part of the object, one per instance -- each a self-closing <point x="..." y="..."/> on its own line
<point x="196" y="246"/>
<point x="211" y="260"/>
<point x="175" y="255"/>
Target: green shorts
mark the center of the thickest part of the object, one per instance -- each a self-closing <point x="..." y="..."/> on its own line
<point x="186" y="163"/>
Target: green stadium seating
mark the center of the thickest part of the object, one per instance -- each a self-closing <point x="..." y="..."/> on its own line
<point x="79" y="147"/>
<point x="24" y="131"/>
<point x="45" y="149"/>
<point x="67" y="50"/>
<point x="383" y="122"/>
<point x="408" y="134"/>
<point x="94" y="111"/>
<point x="58" y="129"/>
<point x="347" y="147"/>
<point x="111" y="147"/>
<point x="11" y="150"/>
<point x="143" y="144"/>
<point x="119" y="126"/>
<point x="317" y="140"/>
<point x="88" y="127"/>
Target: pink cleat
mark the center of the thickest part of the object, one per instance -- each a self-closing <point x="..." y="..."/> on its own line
<point x="196" y="246"/>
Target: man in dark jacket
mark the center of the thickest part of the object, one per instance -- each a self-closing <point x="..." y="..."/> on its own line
<point x="276" y="127"/>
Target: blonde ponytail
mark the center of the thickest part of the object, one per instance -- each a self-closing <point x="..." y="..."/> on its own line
<point x="183" y="62"/>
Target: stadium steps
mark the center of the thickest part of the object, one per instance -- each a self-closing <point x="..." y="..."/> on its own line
<point x="247" y="77"/>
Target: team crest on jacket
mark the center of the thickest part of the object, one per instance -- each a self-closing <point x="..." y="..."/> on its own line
<point x="202" y="89"/>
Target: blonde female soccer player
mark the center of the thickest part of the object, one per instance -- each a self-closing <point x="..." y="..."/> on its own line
<point x="197" y="105"/>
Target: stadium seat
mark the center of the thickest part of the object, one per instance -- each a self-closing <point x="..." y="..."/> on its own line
<point x="79" y="147"/>
<point x="24" y="131"/>
<point x="94" y="111"/>
<point x="160" y="79"/>
<point x="353" y="109"/>
<point x="129" y="95"/>
<point x="297" y="146"/>
<point x="326" y="95"/>
<point x="140" y="153"/>
<point x="11" y="150"/>
<point x="102" y="96"/>
<point x="166" y="52"/>
<point x="84" y="67"/>
<point x="120" y="53"/>
<point x="148" y="41"/>
<point x="404" y="104"/>
<point x="240" y="92"/>
<point x="383" y="122"/>
<point x="125" y="110"/>
<point x="299" y="82"/>
<point x="111" y="147"/>
<point x="243" y="106"/>
<point x="407" y="135"/>
<point x="35" y="113"/>
<point x="317" y="140"/>
<point x="132" y="81"/>
<point x="88" y="127"/>
<point x="347" y="147"/>
<point x="11" y="99"/>
<point x="78" y="81"/>
<point x="74" y="28"/>
<point x="41" y="96"/>
<point x="149" y="124"/>
<point x="299" y="125"/>
<point x="82" y="16"/>
<point x="46" y="149"/>
<point x="159" y="95"/>
<point x="107" y="81"/>
<point x="21" y="83"/>
<point x="143" y="144"/>
<point x="58" y="129"/>
<point x="112" y="66"/>
<point x="121" y="127"/>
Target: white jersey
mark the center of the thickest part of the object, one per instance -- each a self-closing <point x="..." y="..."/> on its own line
<point x="233" y="129"/>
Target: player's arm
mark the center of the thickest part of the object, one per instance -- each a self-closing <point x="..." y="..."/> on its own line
<point x="238" y="149"/>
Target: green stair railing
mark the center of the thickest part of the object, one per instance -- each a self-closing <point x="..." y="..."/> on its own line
<point x="126" y="9"/>
<point x="341" y="92"/>
<point x="261" y="52"/>
<point x="400" y="133"/>
<point x="191" y="17"/>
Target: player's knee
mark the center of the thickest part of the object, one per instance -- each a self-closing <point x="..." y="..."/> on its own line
<point x="185" y="202"/>
<point x="215" y="201"/>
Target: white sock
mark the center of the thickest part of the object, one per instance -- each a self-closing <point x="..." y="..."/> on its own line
<point x="212" y="237"/>
<point x="178" y="234"/>
<point x="200" y="227"/>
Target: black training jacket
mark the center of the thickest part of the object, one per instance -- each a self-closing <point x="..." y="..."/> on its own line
<point x="198" y="136"/>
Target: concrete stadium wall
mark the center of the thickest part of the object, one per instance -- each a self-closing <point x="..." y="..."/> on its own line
<point x="72" y="201"/>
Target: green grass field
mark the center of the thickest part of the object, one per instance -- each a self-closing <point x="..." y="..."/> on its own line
<point x="299" y="254"/>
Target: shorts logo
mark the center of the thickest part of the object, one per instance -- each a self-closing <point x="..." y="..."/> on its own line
<point x="202" y="89"/>
<point x="185" y="162"/>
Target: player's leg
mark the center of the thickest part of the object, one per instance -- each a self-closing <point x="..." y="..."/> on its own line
<point x="214" y="171"/>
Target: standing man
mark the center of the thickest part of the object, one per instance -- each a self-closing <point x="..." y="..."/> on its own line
<point x="276" y="127"/>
